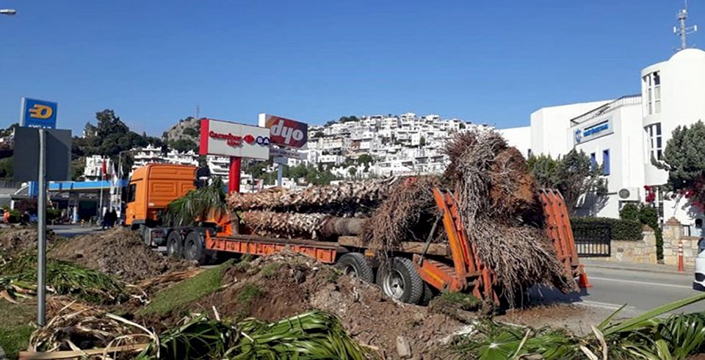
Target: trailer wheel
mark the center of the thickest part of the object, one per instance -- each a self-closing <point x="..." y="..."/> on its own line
<point x="193" y="248"/>
<point x="355" y="265"/>
<point x="401" y="281"/>
<point x="174" y="245"/>
<point x="428" y="295"/>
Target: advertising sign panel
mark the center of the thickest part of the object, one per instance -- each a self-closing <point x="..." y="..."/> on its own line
<point x="285" y="132"/>
<point x="38" y="113"/>
<point x="226" y="138"/>
<point x="287" y="153"/>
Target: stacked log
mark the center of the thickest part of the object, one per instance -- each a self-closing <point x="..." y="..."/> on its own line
<point x="292" y="225"/>
<point x="349" y="192"/>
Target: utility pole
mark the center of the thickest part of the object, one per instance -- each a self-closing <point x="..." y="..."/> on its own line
<point x="683" y="30"/>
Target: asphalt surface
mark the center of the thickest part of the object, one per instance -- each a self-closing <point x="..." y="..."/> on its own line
<point x="641" y="290"/>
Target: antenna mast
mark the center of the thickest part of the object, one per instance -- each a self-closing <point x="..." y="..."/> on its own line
<point x="684" y="30"/>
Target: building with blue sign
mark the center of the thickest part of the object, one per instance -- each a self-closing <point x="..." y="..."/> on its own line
<point x="625" y="134"/>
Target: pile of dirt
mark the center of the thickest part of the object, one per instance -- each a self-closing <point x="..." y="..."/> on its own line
<point x="119" y="252"/>
<point x="16" y="240"/>
<point x="283" y="285"/>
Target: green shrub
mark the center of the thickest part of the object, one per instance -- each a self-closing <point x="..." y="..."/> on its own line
<point x="620" y="229"/>
<point x="53" y="214"/>
<point x="647" y="215"/>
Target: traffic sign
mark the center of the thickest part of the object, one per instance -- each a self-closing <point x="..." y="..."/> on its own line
<point x="38" y="113"/>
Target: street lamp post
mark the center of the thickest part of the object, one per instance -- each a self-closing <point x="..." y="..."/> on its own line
<point x="8" y="12"/>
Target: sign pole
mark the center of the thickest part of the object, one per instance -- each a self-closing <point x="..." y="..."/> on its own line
<point x="234" y="174"/>
<point x="41" y="256"/>
<point x="280" y="174"/>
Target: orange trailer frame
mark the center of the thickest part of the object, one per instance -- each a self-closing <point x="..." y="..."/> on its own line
<point x="466" y="273"/>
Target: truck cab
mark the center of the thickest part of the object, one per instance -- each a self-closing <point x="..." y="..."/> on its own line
<point x="152" y="187"/>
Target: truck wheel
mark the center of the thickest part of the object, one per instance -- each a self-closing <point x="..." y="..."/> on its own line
<point x="428" y="295"/>
<point x="355" y="265"/>
<point x="401" y="281"/>
<point x="174" y="245"/>
<point x="193" y="248"/>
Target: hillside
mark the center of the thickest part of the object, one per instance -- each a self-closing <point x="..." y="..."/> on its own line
<point x="183" y="136"/>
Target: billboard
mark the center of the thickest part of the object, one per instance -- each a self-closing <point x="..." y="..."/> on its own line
<point x="38" y="113"/>
<point x="285" y="132"/>
<point x="226" y="138"/>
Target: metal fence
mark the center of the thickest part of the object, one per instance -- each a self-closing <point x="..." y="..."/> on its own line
<point x="593" y="240"/>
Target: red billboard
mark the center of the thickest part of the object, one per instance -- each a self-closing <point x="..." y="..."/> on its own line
<point x="285" y="132"/>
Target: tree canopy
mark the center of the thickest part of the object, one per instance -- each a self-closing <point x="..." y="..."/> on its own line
<point x="684" y="159"/>
<point x="573" y="175"/>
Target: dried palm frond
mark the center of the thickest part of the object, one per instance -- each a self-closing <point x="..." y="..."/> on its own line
<point x="406" y="215"/>
<point x="519" y="256"/>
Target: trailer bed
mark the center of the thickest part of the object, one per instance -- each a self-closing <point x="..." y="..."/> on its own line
<point x="323" y="251"/>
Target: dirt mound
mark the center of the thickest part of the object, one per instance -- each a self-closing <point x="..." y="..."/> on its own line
<point x="119" y="252"/>
<point x="284" y="285"/>
<point x="16" y="240"/>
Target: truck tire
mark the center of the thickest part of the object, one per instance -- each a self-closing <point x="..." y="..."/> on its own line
<point x="355" y="265"/>
<point x="427" y="296"/>
<point x="193" y="248"/>
<point x="174" y="244"/>
<point x="400" y="281"/>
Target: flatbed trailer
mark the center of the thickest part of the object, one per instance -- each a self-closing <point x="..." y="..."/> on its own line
<point x="416" y="269"/>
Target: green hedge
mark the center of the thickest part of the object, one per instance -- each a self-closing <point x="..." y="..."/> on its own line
<point x="621" y="229"/>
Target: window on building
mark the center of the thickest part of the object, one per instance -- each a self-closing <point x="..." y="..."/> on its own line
<point x="593" y="161"/>
<point x="655" y="141"/>
<point x="528" y="154"/>
<point x="652" y="89"/>
<point x="606" y="162"/>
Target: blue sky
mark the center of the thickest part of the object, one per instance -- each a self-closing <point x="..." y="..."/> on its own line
<point x="490" y="62"/>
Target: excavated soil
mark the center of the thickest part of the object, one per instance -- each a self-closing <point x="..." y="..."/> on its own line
<point x="284" y="285"/>
<point x="119" y="252"/>
<point x="16" y="240"/>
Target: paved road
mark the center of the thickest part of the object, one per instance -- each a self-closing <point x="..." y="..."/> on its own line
<point x="640" y="290"/>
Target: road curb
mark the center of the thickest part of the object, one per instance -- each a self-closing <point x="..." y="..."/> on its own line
<point x="688" y="270"/>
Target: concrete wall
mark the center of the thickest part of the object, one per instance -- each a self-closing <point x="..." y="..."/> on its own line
<point x="672" y="236"/>
<point x="642" y="251"/>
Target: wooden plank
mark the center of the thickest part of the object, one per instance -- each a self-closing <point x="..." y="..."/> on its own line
<point x="407" y="246"/>
<point x="78" y="354"/>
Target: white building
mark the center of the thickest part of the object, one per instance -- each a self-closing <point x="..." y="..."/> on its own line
<point x="94" y="167"/>
<point x="625" y="134"/>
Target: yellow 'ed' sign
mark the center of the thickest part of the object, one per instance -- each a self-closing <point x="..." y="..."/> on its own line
<point x="40" y="111"/>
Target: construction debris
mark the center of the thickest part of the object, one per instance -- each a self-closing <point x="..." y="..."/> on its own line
<point x="119" y="252"/>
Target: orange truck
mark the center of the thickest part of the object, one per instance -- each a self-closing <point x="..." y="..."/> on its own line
<point x="418" y="269"/>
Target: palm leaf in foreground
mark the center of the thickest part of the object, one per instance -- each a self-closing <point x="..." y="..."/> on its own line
<point x="647" y="336"/>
